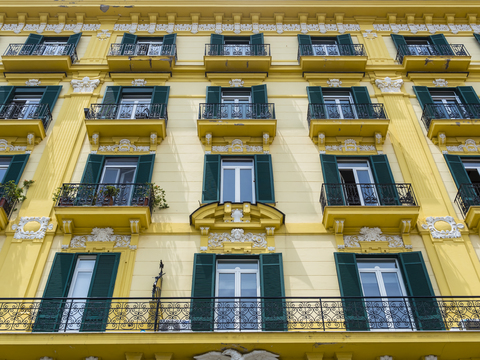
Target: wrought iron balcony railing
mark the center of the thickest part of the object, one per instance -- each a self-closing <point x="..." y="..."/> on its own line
<point x="331" y="50"/>
<point x="42" y="50"/>
<point x="126" y="111"/>
<point x="98" y="195"/>
<point x="346" y="111"/>
<point x="449" y="111"/>
<point x="15" y="111"/>
<point x="468" y="195"/>
<point x="6" y="203"/>
<point x="431" y="50"/>
<point x="142" y="50"/>
<point x="367" y="195"/>
<point x="236" y="111"/>
<point x="237" y="50"/>
<point x="240" y="314"/>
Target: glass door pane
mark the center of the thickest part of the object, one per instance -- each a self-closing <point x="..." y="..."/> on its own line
<point x="246" y="185"/>
<point x="367" y="189"/>
<point x="249" y="308"/>
<point x="398" y="310"/>
<point x="226" y="312"/>
<point x="228" y="185"/>
<point x="377" y="316"/>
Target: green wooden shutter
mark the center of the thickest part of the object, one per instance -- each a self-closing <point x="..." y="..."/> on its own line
<point x="169" y="44"/>
<point x="467" y="94"/>
<point x="427" y="315"/>
<point x="16" y="167"/>
<point x="362" y="102"/>
<point x="112" y="95"/>
<point x="350" y="286"/>
<point x="399" y="41"/>
<point x="274" y="316"/>
<point x="129" y="39"/>
<point x="477" y="36"/>
<point x="50" y="311"/>
<point x="160" y="101"/>
<point x="216" y="44"/>
<point x="305" y="44"/>
<point x="32" y="40"/>
<point x="50" y="97"/>
<point x="382" y="174"/>
<point x="315" y="102"/>
<point x="145" y="169"/>
<point x="442" y="44"/>
<point x="259" y="94"/>
<point x="93" y="169"/>
<point x="331" y="178"/>
<point x="457" y="169"/>
<point x="211" y="179"/>
<point x="6" y="94"/>
<point x="95" y="316"/>
<point x="264" y="187"/>
<point x="257" y="41"/>
<point x="423" y="95"/>
<point x="346" y="44"/>
<point x="73" y="41"/>
<point x="214" y="94"/>
<point x="203" y="285"/>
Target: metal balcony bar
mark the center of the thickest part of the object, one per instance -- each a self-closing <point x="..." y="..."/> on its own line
<point x="142" y="50"/>
<point x="431" y="50"/>
<point x="346" y="111"/>
<point x="240" y="314"/>
<point x="15" y="111"/>
<point x="6" y="203"/>
<point x="367" y="195"/>
<point x="449" y="111"/>
<point x="237" y="50"/>
<point x="97" y="195"/>
<point x="331" y="50"/>
<point x="237" y="111"/>
<point x="42" y="50"/>
<point x="126" y="111"/>
<point x="468" y="195"/>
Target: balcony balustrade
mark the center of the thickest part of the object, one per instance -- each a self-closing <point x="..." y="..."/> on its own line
<point x="237" y="58"/>
<point x="331" y="50"/>
<point x="42" y="50"/>
<point x="142" y="50"/>
<point x="431" y="50"/>
<point x="141" y="57"/>
<point x="468" y="195"/>
<point x="236" y="111"/>
<point x="441" y="58"/>
<point x="346" y="111"/>
<point x="21" y="120"/>
<point x="126" y="111"/>
<point x="237" y="50"/>
<point x="332" y="58"/>
<point x="55" y="315"/>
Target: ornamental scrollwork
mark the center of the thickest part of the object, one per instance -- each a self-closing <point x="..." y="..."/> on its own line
<point x="22" y="234"/>
<point x="124" y="146"/>
<point x="373" y="234"/>
<point x="388" y="85"/>
<point x="102" y="235"/>
<point x="237" y="235"/>
<point x="453" y="233"/>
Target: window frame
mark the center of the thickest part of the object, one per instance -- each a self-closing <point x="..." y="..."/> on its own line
<point x="237" y="169"/>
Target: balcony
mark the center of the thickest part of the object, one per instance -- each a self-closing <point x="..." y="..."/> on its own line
<point x="351" y="120"/>
<point x="436" y="58"/>
<point x="141" y="57"/>
<point x="316" y="314"/>
<point x="6" y="208"/>
<point x="332" y="58"/>
<point x="127" y="120"/>
<point x="89" y="206"/>
<point x="237" y="120"/>
<point x="368" y="205"/>
<point x="20" y="120"/>
<point x="39" y="58"/>
<point x="451" y="119"/>
<point x="468" y="201"/>
<point x="237" y="58"/>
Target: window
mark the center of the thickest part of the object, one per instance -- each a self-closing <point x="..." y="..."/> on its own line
<point x="11" y="167"/>
<point x="150" y="47"/>
<point x="473" y="170"/>
<point x="341" y="45"/>
<point x="228" y="178"/>
<point x="49" y="46"/>
<point x="423" y="46"/>
<point x="236" y="45"/>
<point x="243" y="277"/>
<point x="133" y="45"/>
<point x="339" y="105"/>
<point x="4" y="163"/>
<point x="78" y="275"/>
<point x="236" y="103"/>
<point x="358" y="182"/>
<point x="134" y="107"/>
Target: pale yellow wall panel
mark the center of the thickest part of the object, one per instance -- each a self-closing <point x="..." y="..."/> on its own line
<point x="392" y="50"/>
<point x="475" y="239"/>
<point x="82" y="160"/>
<point x="288" y="88"/>
<point x="470" y="42"/>
<point x="191" y="48"/>
<point x="7" y="40"/>
<point x="83" y="44"/>
<point x="185" y="89"/>
<point x="283" y="48"/>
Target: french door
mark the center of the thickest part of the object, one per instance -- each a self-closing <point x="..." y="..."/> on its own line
<point x="237" y="183"/>
<point x="53" y="48"/>
<point x="120" y="171"/>
<point x="26" y="107"/>
<point x="150" y="48"/>
<point x="358" y="183"/>
<point x="339" y="107"/>
<point x="133" y="108"/>
<point x="236" y="106"/>
<point x="449" y="107"/>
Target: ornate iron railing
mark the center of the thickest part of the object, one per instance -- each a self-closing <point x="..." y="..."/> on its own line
<point x="331" y="50"/>
<point x="236" y="111"/>
<point x="15" y="111"/>
<point x="237" y="50"/>
<point x="468" y="195"/>
<point x="346" y="111"/>
<point x="6" y="203"/>
<point x="367" y="195"/>
<point x="431" y="50"/>
<point x="42" y="50"/>
<point x="142" y="50"/>
<point x="240" y="314"/>
<point x="126" y="111"/>
<point x="98" y="195"/>
<point x="449" y="111"/>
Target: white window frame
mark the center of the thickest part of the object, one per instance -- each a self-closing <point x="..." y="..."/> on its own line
<point x="383" y="293"/>
<point x="127" y="165"/>
<point x="236" y="109"/>
<point x="135" y="103"/>
<point x="355" y="169"/>
<point x="328" y="49"/>
<point x="444" y="100"/>
<point x="338" y="99"/>
<point x="57" y="46"/>
<point x="154" y="47"/>
<point x="237" y="169"/>
<point x="27" y="100"/>
<point x="238" y="273"/>
<point x="5" y="167"/>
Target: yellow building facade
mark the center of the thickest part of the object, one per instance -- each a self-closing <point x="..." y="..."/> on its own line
<point x="320" y="162"/>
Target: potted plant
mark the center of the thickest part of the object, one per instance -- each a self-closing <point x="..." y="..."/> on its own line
<point x="159" y="200"/>
<point x="109" y="192"/>
<point x="13" y="193"/>
<point x="64" y="195"/>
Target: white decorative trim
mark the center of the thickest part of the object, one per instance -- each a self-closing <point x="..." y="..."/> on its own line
<point x="386" y="357"/>
<point x="139" y="82"/>
<point x="369" y="35"/>
<point x="208" y="138"/>
<point x="124" y="146"/>
<point x="5" y="147"/>
<point x="20" y="233"/>
<point x="271" y="248"/>
<point x="350" y="145"/>
<point x="46" y="358"/>
<point x="102" y="235"/>
<point x="470" y="146"/>
<point x="33" y="82"/>
<point x="237" y="235"/>
<point x="90" y="27"/>
<point x="341" y="246"/>
<point x="334" y="83"/>
<point x="85" y="85"/>
<point x="95" y="138"/>
<point x="153" y="138"/>
<point x="372" y="234"/>
<point x="237" y="146"/>
<point x="237" y="216"/>
<point x="266" y="137"/>
<point x="430" y="357"/>
<point x="30" y="138"/>
<point x="236" y="83"/>
<point x="453" y="233"/>
<point x="388" y="85"/>
<point x="440" y="83"/>
<point x="132" y="247"/>
<point x="231" y="354"/>
<point x="91" y="358"/>
<point x="104" y="35"/>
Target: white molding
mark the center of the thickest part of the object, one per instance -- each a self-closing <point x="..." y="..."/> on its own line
<point x="440" y="83"/>
<point x="236" y="83"/>
<point x="139" y="82"/>
<point x="33" y="82"/>
<point x="237" y="235"/>
<point x="85" y="85"/>
<point x="235" y="355"/>
<point x="334" y="83"/>
<point x="21" y="233"/>
<point x="372" y="234"/>
<point x="388" y="85"/>
<point x="237" y="147"/>
<point x="453" y="233"/>
<point x="124" y="146"/>
<point x="102" y="235"/>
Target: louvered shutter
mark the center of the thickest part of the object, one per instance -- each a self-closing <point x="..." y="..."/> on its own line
<point x="274" y="316"/>
<point x="386" y="188"/>
<point x="15" y="168"/>
<point x="211" y="179"/>
<point x="401" y="45"/>
<point x="168" y="45"/>
<point x="159" y="102"/>
<point x="128" y="42"/>
<point x="316" y="106"/>
<point x="256" y="42"/>
<point x="144" y="169"/>
<point x="29" y="46"/>
<point x="423" y="96"/>
<point x="331" y="178"/>
<point x="203" y="286"/>
<point x="72" y="43"/>
<point x="214" y="97"/>
<point x="441" y="44"/>
<point x="93" y="169"/>
<point x="6" y="94"/>
<point x="260" y="103"/>
<point x="362" y="102"/>
<point x="345" y="44"/>
<point x="49" y="98"/>
<point x="305" y="44"/>
<point x="216" y="44"/>
<point x="264" y="185"/>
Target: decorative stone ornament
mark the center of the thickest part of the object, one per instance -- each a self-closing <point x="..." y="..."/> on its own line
<point x="237" y="147"/>
<point x="334" y="83"/>
<point x="22" y="234"/>
<point x="102" y="235"/>
<point x="33" y="82"/>
<point x="124" y="146"/>
<point x="388" y="85"/>
<point x="103" y="35"/>
<point x="386" y="357"/>
<point x="139" y="82"/>
<point x="373" y="234"/>
<point x="231" y="354"/>
<point x="46" y="358"/>
<point x="236" y="83"/>
<point x="5" y="146"/>
<point x="237" y="235"/>
<point x="369" y="35"/>
<point x="453" y="233"/>
<point x="85" y="85"/>
<point x="440" y="83"/>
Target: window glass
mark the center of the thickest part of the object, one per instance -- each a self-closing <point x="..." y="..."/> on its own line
<point x="4" y="163"/>
<point x="242" y="265"/>
<point x="237" y="181"/>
